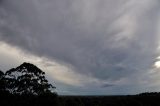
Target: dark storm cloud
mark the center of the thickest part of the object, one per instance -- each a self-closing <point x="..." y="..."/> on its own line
<point x="106" y="39"/>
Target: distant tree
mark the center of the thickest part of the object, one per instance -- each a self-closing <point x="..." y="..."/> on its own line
<point x="27" y="79"/>
<point x="2" y="86"/>
<point x="1" y="74"/>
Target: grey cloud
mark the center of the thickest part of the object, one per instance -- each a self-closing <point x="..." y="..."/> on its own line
<point x="107" y="39"/>
<point x="107" y="85"/>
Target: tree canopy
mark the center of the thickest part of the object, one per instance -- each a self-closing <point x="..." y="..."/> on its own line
<point x="26" y="79"/>
<point x="2" y="86"/>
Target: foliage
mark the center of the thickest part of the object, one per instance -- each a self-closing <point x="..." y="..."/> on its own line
<point x="2" y="82"/>
<point x="1" y="74"/>
<point x="26" y="79"/>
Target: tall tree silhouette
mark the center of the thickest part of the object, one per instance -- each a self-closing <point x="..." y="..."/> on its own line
<point x="27" y="79"/>
<point x="1" y="74"/>
<point x="2" y="81"/>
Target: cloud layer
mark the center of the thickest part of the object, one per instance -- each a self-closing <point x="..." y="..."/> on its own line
<point x="108" y="40"/>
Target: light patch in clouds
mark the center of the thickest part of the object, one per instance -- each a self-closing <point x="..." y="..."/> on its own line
<point x="13" y="56"/>
<point x="9" y="57"/>
<point x="157" y="64"/>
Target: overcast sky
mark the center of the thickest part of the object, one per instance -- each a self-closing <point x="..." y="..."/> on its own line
<point x="86" y="47"/>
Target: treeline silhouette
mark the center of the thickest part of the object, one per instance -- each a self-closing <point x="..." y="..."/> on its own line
<point x="26" y="85"/>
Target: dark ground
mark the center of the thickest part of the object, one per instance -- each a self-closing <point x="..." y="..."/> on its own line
<point x="146" y="99"/>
